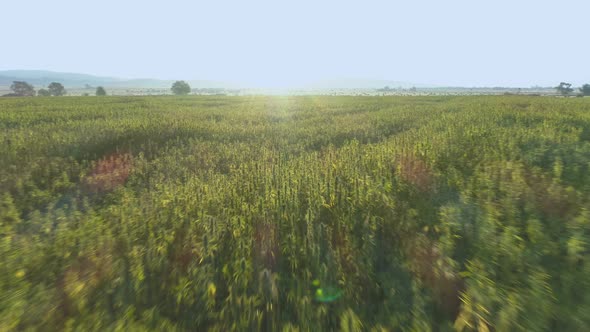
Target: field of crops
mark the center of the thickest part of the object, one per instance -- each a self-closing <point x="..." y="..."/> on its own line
<point x="295" y="213"/>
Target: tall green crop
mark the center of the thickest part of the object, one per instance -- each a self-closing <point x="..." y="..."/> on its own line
<point x="295" y="213"/>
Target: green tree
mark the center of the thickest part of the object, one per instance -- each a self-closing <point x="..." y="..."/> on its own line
<point x="564" y="88"/>
<point x="56" y="89"/>
<point x="43" y="93"/>
<point x="100" y="91"/>
<point x="180" y="88"/>
<point x="585" y="90"/>
<point x="21" y="88"/>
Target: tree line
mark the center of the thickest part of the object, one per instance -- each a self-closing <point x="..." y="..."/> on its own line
<point x="24" y="89"/>
<point x="56" y="89"/>
<point x="565" y="89"/>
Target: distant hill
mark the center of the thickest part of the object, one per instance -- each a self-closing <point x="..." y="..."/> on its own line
<point x="41" y="78"/>
<point x="74" y="80"/>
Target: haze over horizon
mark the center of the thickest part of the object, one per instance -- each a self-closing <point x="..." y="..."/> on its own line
<point x="269" y="44"/>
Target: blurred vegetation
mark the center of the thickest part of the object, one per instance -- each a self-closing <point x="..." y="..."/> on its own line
<point x="239" y="213"/>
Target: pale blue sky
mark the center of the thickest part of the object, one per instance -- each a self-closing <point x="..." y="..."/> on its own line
<point x="286" y="43"/>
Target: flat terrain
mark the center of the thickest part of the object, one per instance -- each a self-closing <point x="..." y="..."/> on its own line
<point x="295" y="213"/>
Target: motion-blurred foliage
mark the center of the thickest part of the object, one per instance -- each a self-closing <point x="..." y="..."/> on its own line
<point x="226" y="214"/>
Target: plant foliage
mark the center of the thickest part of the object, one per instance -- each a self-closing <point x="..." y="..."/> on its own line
<point x="295" y="214"/>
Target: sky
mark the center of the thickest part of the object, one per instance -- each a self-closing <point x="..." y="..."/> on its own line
<point x="292" y="43"/>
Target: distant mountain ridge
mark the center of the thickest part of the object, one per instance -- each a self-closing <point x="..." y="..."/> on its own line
<point x="41" y="78"/>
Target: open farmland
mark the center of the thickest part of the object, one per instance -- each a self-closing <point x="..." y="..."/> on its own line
<point x="295" y="213"/>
